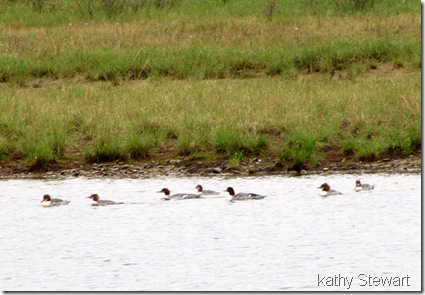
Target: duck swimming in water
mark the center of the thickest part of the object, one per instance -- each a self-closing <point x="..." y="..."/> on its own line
<point x="48" y="201"/>
<point x="242" y="196"/>
<point x="327" y="191"/>
<point x="97" y="202"/>
<point x="201" y="191"/>
<point x="363" y="186"/>
<point x="179" y="196"/>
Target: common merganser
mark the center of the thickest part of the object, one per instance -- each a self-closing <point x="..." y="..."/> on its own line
<point x="363" y="186"/>
<point x="48" y="201"/>
<point x="201" y="191"/>
<point x="327" y="191"/>
<point x="97" y="202"/>
<point x="242" y="196"/>
<point x="180" y="196"/>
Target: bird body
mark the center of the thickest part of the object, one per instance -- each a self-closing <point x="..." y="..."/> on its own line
<point x="49" y="201"/>
<point x="363" y="186"/>
<point x="201" y="191"/>
<point x="98" y="202"/>
<point x="327" y="191"/>
<point x="179" y="196"/>
<point x="242" y="196"/>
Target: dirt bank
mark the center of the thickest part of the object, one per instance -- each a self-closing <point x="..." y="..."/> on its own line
<point x="189" y="167"/>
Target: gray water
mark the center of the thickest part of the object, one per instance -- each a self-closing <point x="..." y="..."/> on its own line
<point x="288" y="241"/>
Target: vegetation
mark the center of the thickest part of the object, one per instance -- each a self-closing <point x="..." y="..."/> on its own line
<point x="130" y="80"/>
<point x="295" y="120"/>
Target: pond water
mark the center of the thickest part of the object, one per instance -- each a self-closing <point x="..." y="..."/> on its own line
<point x="293" y="240"/>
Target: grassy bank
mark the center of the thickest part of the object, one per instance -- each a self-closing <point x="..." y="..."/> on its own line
<point x="205" y="39"/>
<point x="211" y="62"/>
<point x="294" y="120"/>
<point x="292" y="80"/>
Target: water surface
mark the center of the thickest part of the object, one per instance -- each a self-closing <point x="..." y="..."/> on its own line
<point x="285" y="242"/>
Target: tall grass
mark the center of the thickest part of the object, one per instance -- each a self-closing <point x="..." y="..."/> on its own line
<point x="6" y="149"/>
<point x="294" y="120"/>
<point x="211" y="62"/>
<point x="140" y="146"/>
<point x="169" y="78"/>
<point x="230" y="141"/>
<point x="227" y="40"/>
<point x="53" y="12"/>
<point x="301" y="147"/>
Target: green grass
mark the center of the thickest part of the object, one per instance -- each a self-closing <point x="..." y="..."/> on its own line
<point x="296" y="121"/>
<point x="227" y="40"/>
<point x="301" y="147"/>
<point x="210" y="62"/>
<point x="38" y="151"/>
<point x="5" y="149"/>
<point x="139" y="146"/>
<point x="20" y="12"/>
<point x="235" y="161"/>
<point x="104" y="149"/>
<point x="229" y="141"/>
<point x="209" y="79"/>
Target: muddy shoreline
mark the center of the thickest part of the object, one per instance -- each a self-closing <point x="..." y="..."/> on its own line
<point x="189" y="167"/>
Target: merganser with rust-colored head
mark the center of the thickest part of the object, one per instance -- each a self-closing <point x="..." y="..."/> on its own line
<point x="363" y="186"/>
<point x="49" y="201"/>
<point x="327" y="191"/>
<point x="97" y="202"/>
<point x="201" y="191"/>
<point x="179" y="196"/>
<point x="242" y="196"/>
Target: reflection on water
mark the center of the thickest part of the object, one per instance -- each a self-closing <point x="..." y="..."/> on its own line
<point x="285" y="242"/>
